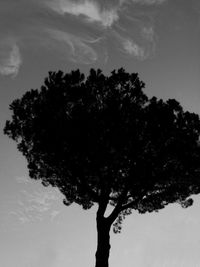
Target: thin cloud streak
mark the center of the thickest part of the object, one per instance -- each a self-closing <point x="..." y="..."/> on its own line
<point x="75" y="47"/>
<point x="10" y="58"/>
<point x="149" y="2"/>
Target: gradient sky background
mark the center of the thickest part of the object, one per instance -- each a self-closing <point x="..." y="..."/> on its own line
<point x="160" y="40"/>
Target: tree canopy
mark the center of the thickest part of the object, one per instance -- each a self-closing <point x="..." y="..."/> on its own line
<point x="101" y="139"/>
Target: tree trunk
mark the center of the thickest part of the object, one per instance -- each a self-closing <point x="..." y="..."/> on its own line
<point x="103" y="242"/>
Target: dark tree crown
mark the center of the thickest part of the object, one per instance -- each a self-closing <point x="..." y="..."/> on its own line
<point x="102" y="140"/>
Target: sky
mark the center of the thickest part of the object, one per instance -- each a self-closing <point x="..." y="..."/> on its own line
<point x="160" y="40"/>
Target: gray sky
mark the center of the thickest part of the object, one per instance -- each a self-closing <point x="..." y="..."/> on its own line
<point x="160" y="40"/>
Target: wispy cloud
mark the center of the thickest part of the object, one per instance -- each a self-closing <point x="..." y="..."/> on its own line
<point x="149" y="2"/>
<point x="10" y="58"/>
<point x="136" y="46"/>
<point x="80" y="31"/>
<point x="140" y="42"/>
<point x="91" y="10"/>
<point x="37" y="204"/>
<point x="133" y="49"/>
<point x="22" y="180"/>
<point x="148" y="33"/>
<point x="76" y="48"/>
<point x="54" y="214"/>
<point x="40" y="201"/>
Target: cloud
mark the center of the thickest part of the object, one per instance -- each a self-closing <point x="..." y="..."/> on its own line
<point x="76" y="48"/>
<point x="36" y="205"/>
<point x="91" y="10"/>
<point x="133" y="49"/>
<point x="140" y="41"/>
<point x="10" y="58"/>
<point x="149" y="2"/>
<point x="64" y="32"/>
<point x="148" y="33"/>
<point x="40" y="201"/>
<point x="23" y="180"/>
<point x="54" y="214"/>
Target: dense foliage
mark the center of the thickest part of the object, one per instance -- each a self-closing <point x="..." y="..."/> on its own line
<point x="101" y="140"/>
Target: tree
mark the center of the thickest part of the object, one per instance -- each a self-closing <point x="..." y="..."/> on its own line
<point x="101" y="140"/>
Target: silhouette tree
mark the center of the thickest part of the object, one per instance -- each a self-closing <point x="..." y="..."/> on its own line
<point x="101" y="140"/>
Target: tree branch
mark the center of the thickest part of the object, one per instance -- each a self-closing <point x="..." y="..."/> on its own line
<point x="102" y="207"/>
<point x="103" y="199"/>
<point x="117" y="208"/>
<point x="128" y="205"/>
